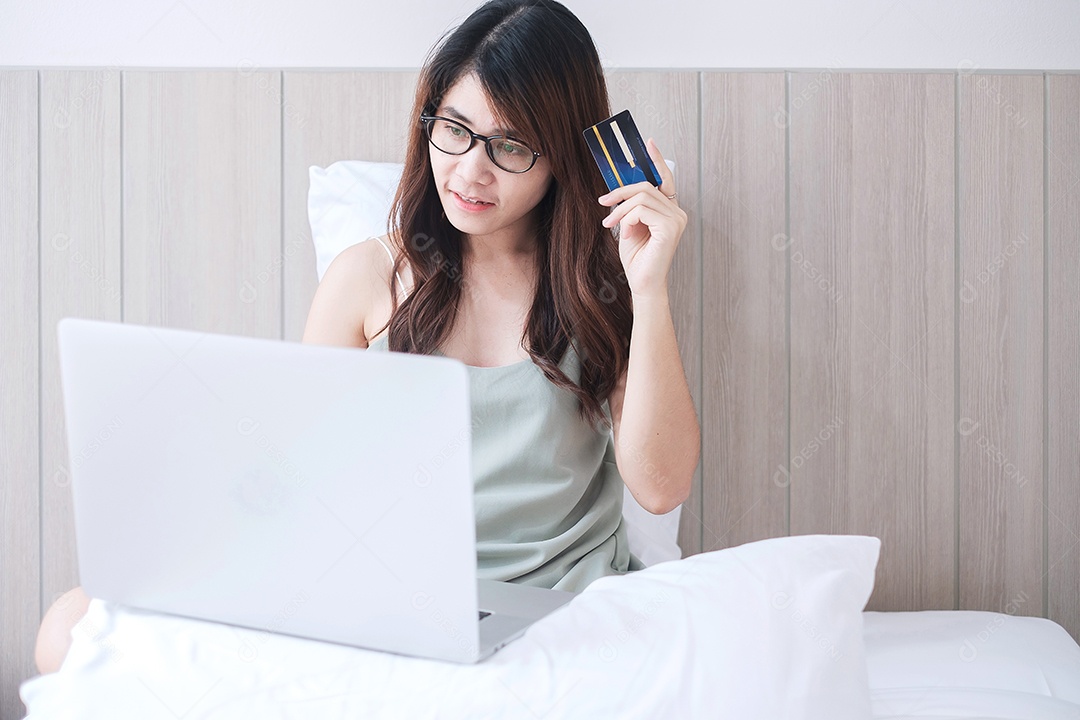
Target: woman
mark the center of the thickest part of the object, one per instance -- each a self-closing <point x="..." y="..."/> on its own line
<point x="511" y="267"/>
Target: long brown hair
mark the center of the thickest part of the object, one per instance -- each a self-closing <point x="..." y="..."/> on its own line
<point x="540" y="70"/>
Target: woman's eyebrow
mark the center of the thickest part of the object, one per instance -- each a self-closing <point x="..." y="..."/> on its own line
<point x="453" y="112"/>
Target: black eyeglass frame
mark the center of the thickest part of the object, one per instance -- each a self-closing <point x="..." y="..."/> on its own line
<point x="474" y="136"/>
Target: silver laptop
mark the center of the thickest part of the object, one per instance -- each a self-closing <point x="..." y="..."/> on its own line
<point x="305" y="490"/>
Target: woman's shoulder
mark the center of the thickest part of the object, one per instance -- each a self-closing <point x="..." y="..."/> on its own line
<point x="348" y="294"/>
<point x="386" y="250"/>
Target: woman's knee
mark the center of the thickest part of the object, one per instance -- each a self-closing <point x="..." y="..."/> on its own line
<point x="54" y="635"/>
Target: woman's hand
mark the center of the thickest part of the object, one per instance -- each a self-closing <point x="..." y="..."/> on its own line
<point x="651" y="224"/>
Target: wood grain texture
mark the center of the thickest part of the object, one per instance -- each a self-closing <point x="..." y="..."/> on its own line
<point x="872" y="323"/>
<point x="20" y="600"/>
<point x="1063" y="379"/>
<point x="332" y="116"/>
<point x="744" y="370"/>
<point x="80" y="272"/>
<point x="1000" y="427"/>
<point x="665" y="108"/>
<point x="202" y="201"/>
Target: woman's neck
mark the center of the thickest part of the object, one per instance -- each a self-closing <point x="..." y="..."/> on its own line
<point x="501" y="273"/>
<point x="508" y="247"/>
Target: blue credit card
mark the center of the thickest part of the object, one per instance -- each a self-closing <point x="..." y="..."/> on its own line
<point x="620" y="152"/>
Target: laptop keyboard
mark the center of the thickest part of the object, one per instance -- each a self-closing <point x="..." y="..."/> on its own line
<point x="484" y="614"/>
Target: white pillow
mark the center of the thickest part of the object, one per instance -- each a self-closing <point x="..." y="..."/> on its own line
<point x="973" y="649"/>
<point x="769" y="629"/>
<point x="349" y="202"/>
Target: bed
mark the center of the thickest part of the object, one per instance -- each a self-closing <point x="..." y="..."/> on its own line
<point x="770" y="629"/>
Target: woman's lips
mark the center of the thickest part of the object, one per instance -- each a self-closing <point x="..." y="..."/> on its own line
<point x="471" y="207"/>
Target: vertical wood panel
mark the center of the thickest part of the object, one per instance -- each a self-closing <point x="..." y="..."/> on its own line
<point x="330" y="117"/>
<point x="872" y="323"/>
<point x="902" y="479"/>
<point x="744" y="373"/>
<point x="202" y="201"/>
<point x="80" y="271"/>
<point x="20" y="608"/>
<point x="665" y="107"/>
<point x="1063" y="392"/>
<point x="824" y="379"/>
<point x="1001" y="343"/>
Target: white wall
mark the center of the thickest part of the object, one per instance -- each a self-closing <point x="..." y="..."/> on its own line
<point x="792" y="34"/>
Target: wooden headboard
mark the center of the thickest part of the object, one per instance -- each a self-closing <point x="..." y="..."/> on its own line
<point x="876" y="295"/>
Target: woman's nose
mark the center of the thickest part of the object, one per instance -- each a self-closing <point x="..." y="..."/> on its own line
<point x="475" y="161"/>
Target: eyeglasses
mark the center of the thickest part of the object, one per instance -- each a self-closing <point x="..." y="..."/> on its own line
<point x="453" y="138"/>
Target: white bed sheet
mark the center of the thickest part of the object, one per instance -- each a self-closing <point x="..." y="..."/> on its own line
<point x="969" y="704"/>
<point x="930" y="665"/>
<point x="769" y="629"/>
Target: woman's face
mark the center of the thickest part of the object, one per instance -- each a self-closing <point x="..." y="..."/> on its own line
<point x="474" y="175"/>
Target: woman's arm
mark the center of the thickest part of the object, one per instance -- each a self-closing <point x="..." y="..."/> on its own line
<point x="338" y="309"/>
<point x="658" y="446"/>
<point x="657" y="438"/>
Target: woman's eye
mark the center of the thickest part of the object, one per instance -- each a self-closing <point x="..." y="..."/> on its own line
<point x="510" y="149"/>
<point x="454" y="130"/>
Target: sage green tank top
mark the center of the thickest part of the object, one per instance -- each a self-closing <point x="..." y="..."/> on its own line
<point x="548" y="494"/>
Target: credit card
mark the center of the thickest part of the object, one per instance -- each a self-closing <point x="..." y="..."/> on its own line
<point x="620" y="152"/>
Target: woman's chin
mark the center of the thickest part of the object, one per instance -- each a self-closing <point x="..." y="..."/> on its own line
<point x="466" y="222"/>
